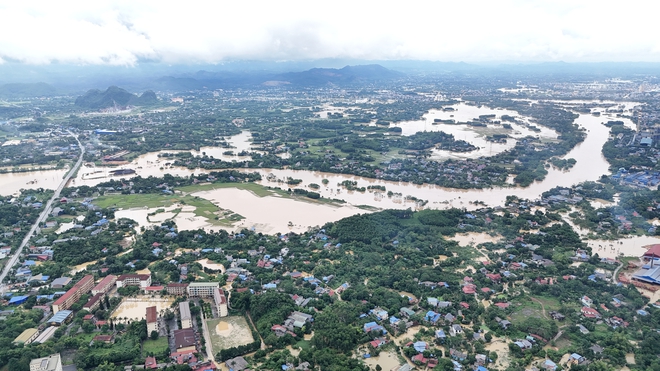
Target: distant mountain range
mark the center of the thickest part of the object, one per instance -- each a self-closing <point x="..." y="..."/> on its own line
<point x="114" y="97"/>
<point x="346" y="75"/>
<point x="314" y="77"/>
<point x="29" y="90"/>
<point x="23" y="81"/>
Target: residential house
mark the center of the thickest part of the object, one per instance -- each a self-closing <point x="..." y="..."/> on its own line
<point x="590" y="312"/>
<point x="455" y="330"/>
<point x="457" y="355"/>
<point x="524" y="344"/>
<point x="576" y="359"/>
<point x="557" y="316"/>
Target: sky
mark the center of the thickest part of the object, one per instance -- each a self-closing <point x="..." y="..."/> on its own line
<point x="192" y="32"/>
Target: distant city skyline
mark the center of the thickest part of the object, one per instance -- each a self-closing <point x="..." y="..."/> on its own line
<point x="130" y="32"/>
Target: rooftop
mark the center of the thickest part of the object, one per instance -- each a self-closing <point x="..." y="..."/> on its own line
<point x="60" y="316"/>
<point x="25" y="335"/>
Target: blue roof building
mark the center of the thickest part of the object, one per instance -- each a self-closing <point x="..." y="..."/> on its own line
<point x="420" y="346"/>
<point x="18" y="300"/>
<point x="373" y="326"/>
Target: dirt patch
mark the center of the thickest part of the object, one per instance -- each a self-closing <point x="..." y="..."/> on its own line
<point x="387" y="360"/>
<point x="502" y="349"/>
<point x="229" y="332"/>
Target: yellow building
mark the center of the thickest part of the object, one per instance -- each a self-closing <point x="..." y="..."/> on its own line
<point x="27" y="336"/>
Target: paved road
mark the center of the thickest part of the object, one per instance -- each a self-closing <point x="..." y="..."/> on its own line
<point x="207" y="340"/>
<point x="42" y="217"/>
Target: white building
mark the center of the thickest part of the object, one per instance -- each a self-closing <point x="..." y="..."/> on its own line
<point x="184" y="312"/>
<point x="202" y="289"/>
<point x="51" y="363"/>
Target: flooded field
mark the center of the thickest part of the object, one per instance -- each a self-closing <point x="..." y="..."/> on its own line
<point x="275" y="214"/>
<point x="14" y="182"/>
<point x="211" y="265"/>
<point x="633" y="246"/>
<point x="467" y="239"/>
<point x="67" y="226"/>
<point x="476" y="136"/>
<point x="184" y="216"/>
<point x="229" y="332"/>
<point x="136" y="308"/>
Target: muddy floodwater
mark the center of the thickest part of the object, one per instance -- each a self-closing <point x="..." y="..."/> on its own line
<point x="467" y="239"/>
<point x="275" y="214"/>
<point x="633" y="246"/>
<point x="182" y="215"/>
<point x="136" y="308"/>
<point x="13" y="182"/>
<point x="462" y="114"/>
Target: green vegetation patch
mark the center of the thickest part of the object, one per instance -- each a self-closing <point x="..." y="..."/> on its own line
<point x="154" y="346"/>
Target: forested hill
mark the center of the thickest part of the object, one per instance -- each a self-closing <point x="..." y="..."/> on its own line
<point x="114" y="97"/>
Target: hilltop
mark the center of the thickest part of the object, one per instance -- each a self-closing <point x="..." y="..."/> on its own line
<point x="114" y="97"/>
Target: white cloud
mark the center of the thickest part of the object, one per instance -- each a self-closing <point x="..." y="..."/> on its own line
<point x="125" y="32"/>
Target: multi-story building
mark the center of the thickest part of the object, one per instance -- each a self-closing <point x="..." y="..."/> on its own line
<point x="220" y="302"/>
<point x="105" y="285"/>
<point x="51" y="363"/>
<point x="152" y="320"/>
<point x="70" y="297"/>
<point x="202" y="289"/>
<point x="94" y="302"/>
<point x="186" y="317"/>
<point x="177" y="289"/>
<point x="142" y="280"/>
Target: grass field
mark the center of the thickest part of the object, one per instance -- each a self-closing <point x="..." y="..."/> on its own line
<point x="257" y="189"/>
<point x="229" y="332"/>
<point x="203" y="208"/>
<point x="141" y="200"/>
<point x="154" y="346"/>
<point x="303" y="344"/>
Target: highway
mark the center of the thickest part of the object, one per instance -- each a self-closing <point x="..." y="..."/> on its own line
<point x="42" y="217"/>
